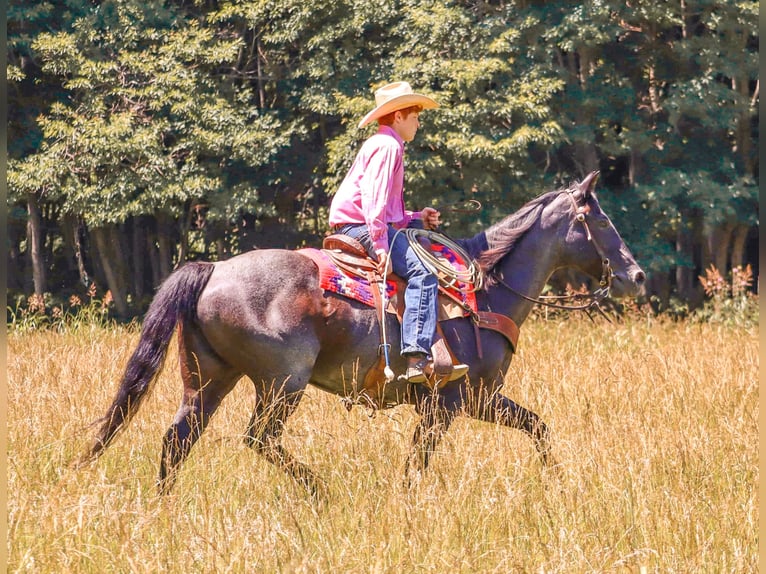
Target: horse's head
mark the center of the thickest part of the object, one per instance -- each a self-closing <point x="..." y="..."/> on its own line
<point x="594" y="246"/>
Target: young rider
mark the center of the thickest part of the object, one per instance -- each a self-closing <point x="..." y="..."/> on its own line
<point x="369" y="206"/>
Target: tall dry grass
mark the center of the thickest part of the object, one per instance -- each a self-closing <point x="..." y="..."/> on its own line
<point x="655" y="428"/>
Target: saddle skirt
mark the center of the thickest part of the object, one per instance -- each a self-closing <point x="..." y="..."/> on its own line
<point x="457" y="301"/>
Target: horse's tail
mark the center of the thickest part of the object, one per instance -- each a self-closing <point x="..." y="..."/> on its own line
<point x="175" y="301"/>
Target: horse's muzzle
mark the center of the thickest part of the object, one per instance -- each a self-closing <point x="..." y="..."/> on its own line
<point x="629" y="284"/>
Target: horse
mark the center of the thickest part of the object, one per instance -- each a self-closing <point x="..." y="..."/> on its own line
<point x="262" y="315"/>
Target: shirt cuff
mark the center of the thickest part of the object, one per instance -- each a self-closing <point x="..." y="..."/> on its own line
<point x="380" y="244"/>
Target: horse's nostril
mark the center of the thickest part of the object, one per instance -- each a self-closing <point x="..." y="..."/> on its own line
<point x="639" y="277"/>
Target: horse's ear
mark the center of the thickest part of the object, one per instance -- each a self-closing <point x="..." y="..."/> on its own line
<point x="588" y="185"/>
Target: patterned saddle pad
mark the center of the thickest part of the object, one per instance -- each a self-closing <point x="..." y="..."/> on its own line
<point x="335" y="280"/>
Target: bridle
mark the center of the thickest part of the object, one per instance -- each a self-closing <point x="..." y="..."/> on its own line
<point x="606" y="269"/>
<point x="594" y="299"/>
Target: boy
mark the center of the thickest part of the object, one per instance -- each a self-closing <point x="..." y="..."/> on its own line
<point x="369" y="206"/>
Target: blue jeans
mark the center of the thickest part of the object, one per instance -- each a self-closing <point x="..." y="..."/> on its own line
<point x="420" y="296"/>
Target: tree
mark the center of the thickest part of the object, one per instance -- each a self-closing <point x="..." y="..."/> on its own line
<point x="143" y="134"/>
<point x="660" y="97"/>
<point x="150" y="125"/>
<point x="484" y="141"/>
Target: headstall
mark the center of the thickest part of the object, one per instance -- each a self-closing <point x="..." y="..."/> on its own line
<point x="593" y="299"/>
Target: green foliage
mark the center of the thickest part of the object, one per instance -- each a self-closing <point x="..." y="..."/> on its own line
<point x="46" y="312"/>
<point x="150" y="121"/>
<point x="122" y="110"/>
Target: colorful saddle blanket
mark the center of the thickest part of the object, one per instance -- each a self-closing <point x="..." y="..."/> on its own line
<point x="333" y="279"/>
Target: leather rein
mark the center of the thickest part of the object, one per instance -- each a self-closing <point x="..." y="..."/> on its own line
<point x="596" y="297"/>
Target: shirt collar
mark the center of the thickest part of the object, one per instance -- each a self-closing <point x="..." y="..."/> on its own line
<point x="388" y="130"/>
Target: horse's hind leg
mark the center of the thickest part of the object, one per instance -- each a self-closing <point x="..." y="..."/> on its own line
<point x="274" y="404"/>
<point x="207" y="380"/>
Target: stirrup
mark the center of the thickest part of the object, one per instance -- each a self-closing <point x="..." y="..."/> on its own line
<point x="419" y="373"/>
<point x="458" y="371"/>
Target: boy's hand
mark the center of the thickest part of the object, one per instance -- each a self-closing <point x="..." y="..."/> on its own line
<point x="382" y="261"/>
<point x="431" y="218"/>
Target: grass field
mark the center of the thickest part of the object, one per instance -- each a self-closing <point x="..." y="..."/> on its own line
<point x="655" y="429"/>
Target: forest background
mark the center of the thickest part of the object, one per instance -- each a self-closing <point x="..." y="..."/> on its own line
<point x="144" y="133"/>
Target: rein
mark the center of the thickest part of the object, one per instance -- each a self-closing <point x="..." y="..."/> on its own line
<point x="597" y="296"/>
<point x="468" y="206"/>
<point x="595" y="299"/>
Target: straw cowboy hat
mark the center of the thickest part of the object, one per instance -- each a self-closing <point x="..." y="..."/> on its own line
<point x="396" y="96"/>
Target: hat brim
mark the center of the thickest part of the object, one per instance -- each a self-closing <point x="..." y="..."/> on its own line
<point x="398" y="103"/>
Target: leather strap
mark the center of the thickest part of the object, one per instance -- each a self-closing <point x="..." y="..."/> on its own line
<point x="501" y="324"/>
<point x="373" y="384"/>
<point x="344" y="243"/>
<point x="353" y="265"/>
<point x="477" y="334"/>
<point x="442" y="354"/>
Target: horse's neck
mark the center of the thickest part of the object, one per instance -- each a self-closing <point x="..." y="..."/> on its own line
<point x="526" y="269"/>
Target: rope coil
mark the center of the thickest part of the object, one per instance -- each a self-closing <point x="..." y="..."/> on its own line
<point x="448" y="276"/>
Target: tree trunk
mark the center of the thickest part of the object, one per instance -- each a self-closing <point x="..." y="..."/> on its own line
<point x="634" y="166"/>
<point x="716" y="247"/>
<point x="154" y="258"/>
<point x="16" y="232"/>
<point x="684" y="273"/>
<point x="137" y="254"/>
<point x="259" y="74"/>
<point x="586" y="157"/>
<point x="689" y="243"/>
<point x="183" y="244"/>
<point x="738" y="244"/>
<point x="80" y="251"/>
<point x="35" y="240"/>
<point x="108" y="249"/>
<point x="119" y="236"/>
<point x="585" y="154"/>
<point x="70" y="231"/>
<point x="50" y="223"/>
<point x="164" y="243"/>
<point x="743" y="129"/>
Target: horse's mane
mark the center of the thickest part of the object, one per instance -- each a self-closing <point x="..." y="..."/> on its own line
<point x="503" y="236"/>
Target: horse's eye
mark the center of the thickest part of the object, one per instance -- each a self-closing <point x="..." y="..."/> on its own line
<point x="604" y="223"/>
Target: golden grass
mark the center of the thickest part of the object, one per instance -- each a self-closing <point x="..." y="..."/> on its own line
<point x="655" y="428"/>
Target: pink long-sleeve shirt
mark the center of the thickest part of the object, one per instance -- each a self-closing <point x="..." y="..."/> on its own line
<point x="373" y="190"/>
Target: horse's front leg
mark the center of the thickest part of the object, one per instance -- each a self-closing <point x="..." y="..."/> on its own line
<point x="435" y="420"/>
<point x="499" y="409"/>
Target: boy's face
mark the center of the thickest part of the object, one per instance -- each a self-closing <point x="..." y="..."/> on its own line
<point x="406" y="127"/>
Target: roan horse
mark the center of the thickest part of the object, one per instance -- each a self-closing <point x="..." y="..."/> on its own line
<point x="263" y="315"/>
